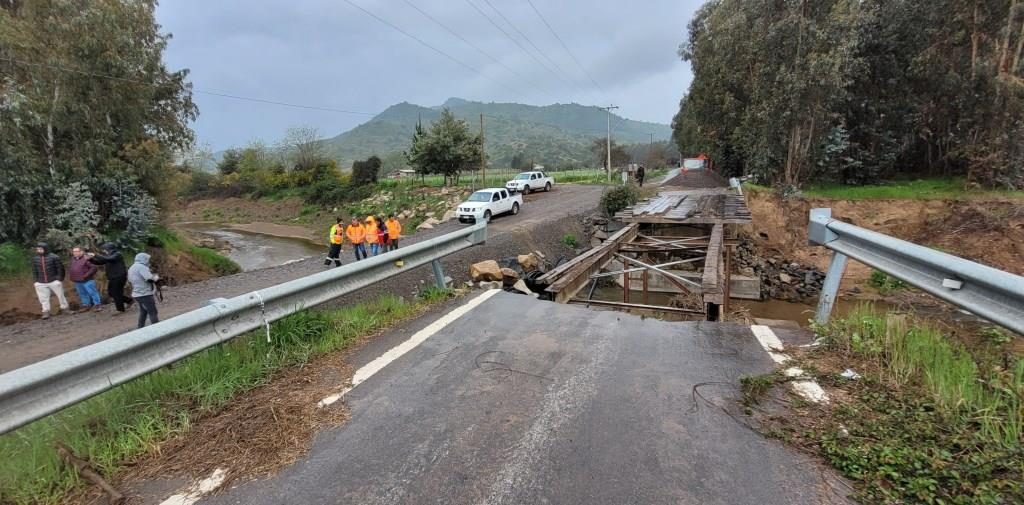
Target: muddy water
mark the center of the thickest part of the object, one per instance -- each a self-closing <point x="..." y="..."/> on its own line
<point x="253" y="251"/>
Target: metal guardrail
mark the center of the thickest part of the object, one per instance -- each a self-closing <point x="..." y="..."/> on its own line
<point x="986" y="292"/>
<point x="40" y="389"/>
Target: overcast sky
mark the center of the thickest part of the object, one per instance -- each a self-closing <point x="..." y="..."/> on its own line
<point x="327" y="53"/>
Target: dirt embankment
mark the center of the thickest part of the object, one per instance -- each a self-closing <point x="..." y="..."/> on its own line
<point x="988" y="232"/>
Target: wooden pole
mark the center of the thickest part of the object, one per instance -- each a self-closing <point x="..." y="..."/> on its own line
<point x="645" y="287"/>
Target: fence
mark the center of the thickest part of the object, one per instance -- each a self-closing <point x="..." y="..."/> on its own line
<point x="40" y="389"/>
<point x="989" y="293"/>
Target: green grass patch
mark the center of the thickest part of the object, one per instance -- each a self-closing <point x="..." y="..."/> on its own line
<point x="931" y="421"/>
<point x="14" y="261"/>
<point x="884" y="283"/>
<point x="214" y="260"/>
<point x="570" y="240"/>
<point x="921" y="189"/>
<point x="112" y="428"/>
<point x="166" y="239"/>
<point x="755" y="387"/>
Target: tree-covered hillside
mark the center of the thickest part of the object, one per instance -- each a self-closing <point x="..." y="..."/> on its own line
<point x="555" y="135"/>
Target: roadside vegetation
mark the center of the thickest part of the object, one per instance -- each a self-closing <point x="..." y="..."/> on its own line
<point x="111" y="429"/>
<point x="930" y="419"/>
<point x="617" y="198"/>
<point x="173" y="244"/>
<point x="14" y="261"/>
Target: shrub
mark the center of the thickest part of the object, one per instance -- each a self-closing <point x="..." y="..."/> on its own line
<point x="14" y="260"/>
<point x="570" y="241"/>
<point x="618" y="198"/>
<point x="884" y="283"/>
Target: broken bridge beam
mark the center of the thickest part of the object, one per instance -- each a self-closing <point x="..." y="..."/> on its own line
<point x="713" y="279"/>
<point x="569" y="278"/>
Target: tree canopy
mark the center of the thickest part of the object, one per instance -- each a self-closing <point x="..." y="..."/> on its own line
<point x="85" y="98"/>
<point x="857" y="90"/>
<point x="446" y="148"/>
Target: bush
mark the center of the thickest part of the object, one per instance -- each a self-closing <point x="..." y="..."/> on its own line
<point x="618" y="198"/>
<point x="884" y="283"/>
<point x="14" y="260"/>
<point x="570" y="241"/>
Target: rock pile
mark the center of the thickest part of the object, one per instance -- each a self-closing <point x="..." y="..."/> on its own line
<point x="780" y="279"/>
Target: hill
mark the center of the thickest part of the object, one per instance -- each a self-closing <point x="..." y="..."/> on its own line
<point x="554" y="134"/>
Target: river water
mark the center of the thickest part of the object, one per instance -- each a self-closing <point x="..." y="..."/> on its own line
<point x="253" y="251"/>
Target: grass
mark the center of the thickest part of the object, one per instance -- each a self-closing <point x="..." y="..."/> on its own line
<point x="884" y="283"/>
<point x="112" y="428"/>
<point x="570" y="241"/>
<point x="921" y="189"/>
<point x="14" y="261"/>
<point x="931" y="421"/>
<point x="173" y="244"/>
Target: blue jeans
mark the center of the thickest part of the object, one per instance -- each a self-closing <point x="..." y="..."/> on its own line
<point x="88" y="293"/>
<point x="360" y="250"/>
<point x="374" y="249"/>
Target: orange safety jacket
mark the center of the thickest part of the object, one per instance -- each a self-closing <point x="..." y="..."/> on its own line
<point x="371" y="233"/>
<point x="335" y="235"/>
<point x="356" y="233"/>
<point x="394" y="229"/>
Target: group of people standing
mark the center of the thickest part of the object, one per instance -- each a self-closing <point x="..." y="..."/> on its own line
<point x="49" y="273"/>
<point x="375" y="232"/>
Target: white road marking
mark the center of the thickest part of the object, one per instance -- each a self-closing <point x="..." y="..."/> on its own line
<point x="198" y="490"/>
<point x="371" y="368"/>
<point x="809" y="389"/>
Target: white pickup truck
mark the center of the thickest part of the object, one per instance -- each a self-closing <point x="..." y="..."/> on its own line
<point x="526" y="182"/>
<point x="487" y="203"/>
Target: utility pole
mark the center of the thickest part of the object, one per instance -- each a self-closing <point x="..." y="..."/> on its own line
<point x="483" y="154"/>
<point x="609" y="143"/>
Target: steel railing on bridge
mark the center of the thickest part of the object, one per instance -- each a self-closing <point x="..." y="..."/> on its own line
<point x="40" y="389"/>
<point x="986" y="292"/>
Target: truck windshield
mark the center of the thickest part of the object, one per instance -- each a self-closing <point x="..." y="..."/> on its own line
<point x="521" y="177"/>
<point x="480" y="196"/>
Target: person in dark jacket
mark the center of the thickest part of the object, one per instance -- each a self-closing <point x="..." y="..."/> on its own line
<point x="640" y="173"/>
<point x="117" y="273"/>
<point x="82" y="272"/>
<point x="48" y="272"/>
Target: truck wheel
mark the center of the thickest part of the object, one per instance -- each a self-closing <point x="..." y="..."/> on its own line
<point x="487" y="216"/>
<point x="526" y="190"/>
<point x="547" y="187"/>
<point x="515" y="208"/>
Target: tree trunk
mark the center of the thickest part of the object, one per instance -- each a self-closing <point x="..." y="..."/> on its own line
<point x="1004" y="60"/>
<point x="50" y="148"/>
<point x="975" y="39"/>
<point x="1020" y="49"/>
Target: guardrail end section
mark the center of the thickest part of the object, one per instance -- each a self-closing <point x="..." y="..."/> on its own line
<point x="817" y="229"/>
<point x="480" y="234"/>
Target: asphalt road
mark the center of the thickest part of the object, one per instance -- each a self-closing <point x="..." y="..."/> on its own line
<point x="31" y="341"/>
<point x="522" y="401"/>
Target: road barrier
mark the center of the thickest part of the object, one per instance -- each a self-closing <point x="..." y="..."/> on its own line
<point x="986" y="292"/>
<point x="40" y="389"/>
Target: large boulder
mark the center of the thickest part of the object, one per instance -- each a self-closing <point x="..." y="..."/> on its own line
<point x="448" y="216"/>
<point x="486" y="271"/>
<point x="425" y="225"/>
<point x="529" y="262"/>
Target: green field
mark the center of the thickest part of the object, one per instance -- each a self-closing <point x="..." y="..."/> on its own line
<point x="920" y="189"/>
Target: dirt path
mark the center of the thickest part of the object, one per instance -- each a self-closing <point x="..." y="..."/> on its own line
<point x="540" y="225"/>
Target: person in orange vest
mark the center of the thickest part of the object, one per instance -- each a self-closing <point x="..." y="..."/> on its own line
<point x="394" y="232"/>
<point x="357" y="235"/>
<point x="371" y="236"/>
<point x="335" y="237"/>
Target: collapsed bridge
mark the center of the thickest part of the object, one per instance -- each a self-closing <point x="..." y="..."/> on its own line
<point x="658" y="238"/>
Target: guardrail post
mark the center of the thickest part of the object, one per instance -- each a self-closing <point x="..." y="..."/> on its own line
<point x="830" y="289"/>
<point x="439" y="274"/>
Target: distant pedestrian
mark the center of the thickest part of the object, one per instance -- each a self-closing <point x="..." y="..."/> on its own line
<point x="82" y="272"/>
<point x="143" y="282"/>
<point x="382" y="234"/>
<point x="48" y="272"/>
<point x="394" y="232"/>
<point x="335" y="237"/>
<point x="357" y="235"/>
<point x="117" y="273"/>
<point x="371" y="236"/>
<point x="640" y="175"/>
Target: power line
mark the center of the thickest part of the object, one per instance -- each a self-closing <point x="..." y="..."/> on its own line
<point x="421" y="41"/>
<point x="195" y="90"/>
<point x="564" y="46"/>
<point x="528" y="40"/>
<point x="474" y="46"/>
<point x="516" y="42"/>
